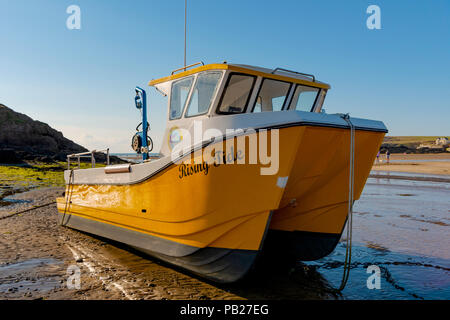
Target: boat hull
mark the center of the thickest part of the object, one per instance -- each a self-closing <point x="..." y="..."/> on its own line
<point x="213" y="221"/>
<point x="218" y="264"/>
<point x="209" y="220"/>
<point x="299" y="245"/>
<point x="314" y="207"/>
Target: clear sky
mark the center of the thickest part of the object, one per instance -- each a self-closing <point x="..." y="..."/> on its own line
<point x="81" y="82"/>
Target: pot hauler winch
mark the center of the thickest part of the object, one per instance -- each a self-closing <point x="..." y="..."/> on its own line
<point x="141" y="143"/>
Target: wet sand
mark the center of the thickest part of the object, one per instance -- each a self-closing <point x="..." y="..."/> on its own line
<point x="438" y="164"/>
<point x="419" y="156"/>
<point x="402" y="227"/>
<point x="35" y="253"/>
<point x="400" y="224"/>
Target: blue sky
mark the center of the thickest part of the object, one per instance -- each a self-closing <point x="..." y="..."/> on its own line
<point x="81" y="82"/>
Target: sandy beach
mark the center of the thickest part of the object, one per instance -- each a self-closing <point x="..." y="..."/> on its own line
<point x="416" y="163"/>
<point x="394" y="211"/>
<point x="35" y="253"/>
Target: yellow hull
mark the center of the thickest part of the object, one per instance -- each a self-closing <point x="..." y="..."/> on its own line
<point x="314" y="207"/>
<point x="316" y="195"/>
<point x="227" y="209"/>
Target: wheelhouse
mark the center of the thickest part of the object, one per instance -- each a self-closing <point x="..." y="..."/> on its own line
<point x="227" y="89"/>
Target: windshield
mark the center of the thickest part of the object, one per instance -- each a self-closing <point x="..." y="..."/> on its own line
<point x="179" y="95"/>
<point x="203" y="93"/>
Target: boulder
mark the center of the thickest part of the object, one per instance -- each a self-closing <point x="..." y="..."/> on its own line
<point x="8" y="156"/>
<point x="396" y="148"/>
<point x="22" y="138"/>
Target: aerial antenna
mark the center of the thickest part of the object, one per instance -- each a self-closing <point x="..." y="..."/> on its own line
<point x="185" y="24"/>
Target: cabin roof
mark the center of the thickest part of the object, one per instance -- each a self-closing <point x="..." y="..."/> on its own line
<point x="252" y="70"/>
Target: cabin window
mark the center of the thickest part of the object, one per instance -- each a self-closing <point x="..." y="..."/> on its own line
<point x="304" y="98"/>
<point x="179" y="95"/>
<point x="237" y="94"/>
<point x="320" y="100"/>
<point x="272" y="95"/>
<point x="203" y="93"/>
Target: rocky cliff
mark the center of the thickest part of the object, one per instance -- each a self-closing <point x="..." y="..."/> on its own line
<point x="22" y="138"/>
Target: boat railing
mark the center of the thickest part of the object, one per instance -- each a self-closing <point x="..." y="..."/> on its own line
<point x="186" y="67"/>
<point x="89" y="154"/>
<point x="296" y="72"/>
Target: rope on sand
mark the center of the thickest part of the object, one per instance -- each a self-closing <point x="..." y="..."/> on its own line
<point x="27" y="210"/>
<point x="348" y="246"/>
<point x="69" y="195"/>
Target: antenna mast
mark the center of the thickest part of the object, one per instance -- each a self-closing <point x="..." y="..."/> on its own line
<point x="185" y="23"/>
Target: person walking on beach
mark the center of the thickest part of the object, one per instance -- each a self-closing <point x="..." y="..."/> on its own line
<point x="388" y="155"/>
<point x="378" y="156"/>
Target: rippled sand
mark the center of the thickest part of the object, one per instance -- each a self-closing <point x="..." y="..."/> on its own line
<point x="35" y="253"/>
<point x="401" y="226"/>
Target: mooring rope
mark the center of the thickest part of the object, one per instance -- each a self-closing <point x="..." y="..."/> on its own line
<point x="68" y="196"/>
<point x="48" y="203"/>
<point x="29" y="209"/>
<point x="348" y="247"/>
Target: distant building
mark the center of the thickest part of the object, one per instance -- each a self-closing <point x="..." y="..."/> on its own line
<point x="442" y="141"/>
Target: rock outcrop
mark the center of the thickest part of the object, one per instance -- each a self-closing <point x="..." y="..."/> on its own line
<point x="26" y="139"/>
<point x="401" y="148"/>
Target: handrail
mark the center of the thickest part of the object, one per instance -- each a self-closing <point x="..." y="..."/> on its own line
<point x="189" y="66"/>
<point x="85" y="155"/>
<point x="291" y="71"/>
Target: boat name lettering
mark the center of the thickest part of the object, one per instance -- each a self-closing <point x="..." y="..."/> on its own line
<point x="227" y="158"/>
<point x="190" y="169"/>
<point x="186" y="169"/>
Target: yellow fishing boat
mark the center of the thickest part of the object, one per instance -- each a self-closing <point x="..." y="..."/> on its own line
<point x="250" y="162"/>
